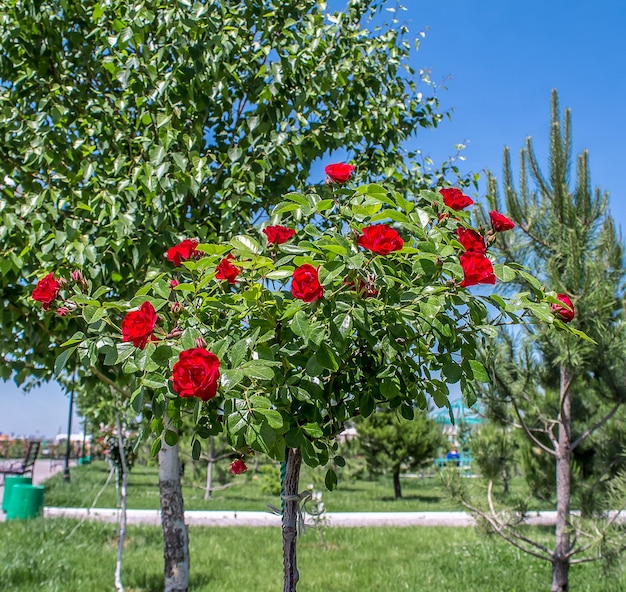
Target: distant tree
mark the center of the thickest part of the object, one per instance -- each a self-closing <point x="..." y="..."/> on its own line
<point x="393" y="443"/>
<point x="563" y="393"/>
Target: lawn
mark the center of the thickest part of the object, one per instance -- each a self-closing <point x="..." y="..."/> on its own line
<point x="56" y="556"/>
<point x="247" y="492"/>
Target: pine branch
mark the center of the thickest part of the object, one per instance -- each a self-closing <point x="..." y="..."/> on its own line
<point x="595" y="426"/>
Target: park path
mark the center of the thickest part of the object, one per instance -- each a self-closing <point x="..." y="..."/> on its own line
<point x="46" y="468"/>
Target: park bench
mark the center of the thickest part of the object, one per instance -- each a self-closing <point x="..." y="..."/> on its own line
<point x="22" y="467"/>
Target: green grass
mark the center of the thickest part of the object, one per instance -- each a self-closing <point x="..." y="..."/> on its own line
<point x="49" y="556"/>
<point x="246" y="493"/>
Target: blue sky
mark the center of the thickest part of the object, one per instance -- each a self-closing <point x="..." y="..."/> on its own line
<point x="498" y="61"/>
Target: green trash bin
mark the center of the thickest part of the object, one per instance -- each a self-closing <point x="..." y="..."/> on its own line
<point x="26" y="502"/>
<point x="9" y="483"/>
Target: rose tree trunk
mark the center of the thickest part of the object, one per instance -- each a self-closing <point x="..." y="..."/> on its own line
<point x="175" y="536"/>
<point x="290" y="518"/>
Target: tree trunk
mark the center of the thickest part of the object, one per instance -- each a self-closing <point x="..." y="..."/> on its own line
<point x="290" y="518"/>
<point x="175" y="537"/>
<point x="209" y="468"/>
<point x="397" y="489"/>
<point x="123" y="489"/>
<point x="505" y="482"/>
<point x="560" y="560"/>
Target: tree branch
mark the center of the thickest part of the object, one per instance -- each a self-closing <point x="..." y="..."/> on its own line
<point x="108" y="381"/>
<point x="529" y="433"/>
<point x="595" y="426"/>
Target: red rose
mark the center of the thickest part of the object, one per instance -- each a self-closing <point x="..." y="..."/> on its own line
<point x="46" y="290"/>
<point x="138" y="325"/>
<point x="196" y="374"/>
<point x="499" y="222"/>
<point x="182" y="251"/>
<point x="471" y="240"/>
<point x="455" y="199"/>
<point x="380" y="239"/>
<point x="173" y="283"/>
<point x="339" y="173"/>
<point x="277" y="235"/>
<point x="305" y="284"/>
<point x="564" y="313"/>
<point x="237" y="467"/>
<point x="225" y="270"/>
<point x="62" y="311"/>
<point x="477" y="269"/>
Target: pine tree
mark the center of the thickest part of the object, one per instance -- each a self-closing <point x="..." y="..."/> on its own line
<point x="562" y="392"/>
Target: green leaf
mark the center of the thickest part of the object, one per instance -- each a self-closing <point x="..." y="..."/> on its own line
<point x="260" y="437"/>
<point x="479" y="371"/>
<point x="309" y="456"/>
<point x="62" y="359"/>
<point x="231" y="378"/>
<point x="504" y="273"/>
<point x="313" y="430"/>
<point x="367" y="405"/>
<point x="326" y="358"/>
<point x="313" y="368"/>
<point x="273" y="417"/>
<point x="170" y="437"/>
<point x="258" y="371"/>
<point x="300" y="325"/>
<point x="136" y="400"/>
<point x="452" y="371"/>
<point x="246" y="244"/>
<point x="330" y="479"/>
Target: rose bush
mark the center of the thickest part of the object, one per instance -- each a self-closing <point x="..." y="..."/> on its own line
<point x="315" y="330"/>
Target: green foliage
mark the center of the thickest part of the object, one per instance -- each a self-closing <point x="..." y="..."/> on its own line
<point x="293" y="373"/>
<point x="392" y="443"/>
<point x="126" y="125"/>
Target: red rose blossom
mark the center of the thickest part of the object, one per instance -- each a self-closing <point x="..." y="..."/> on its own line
<point x="455" y="199"/>
<point x="339" y="173"/>
<point x="225" y="270"/>
<point x="196" y="374"/>
<point x="305" y="284"/>
<point x="182" y="251"/>
<point x="564" y="313"/>
<point x="499" y="222"/>
<point x="277" y="235"/>
<point x="471" y="240"/>
<point x="237" y="467"/>
<point x="46" y="290"/>
<point x="380" y="239"/>
<point x="62" y="311"/>
<point x="138" y="325"/>
<point x="477" y="269"/>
